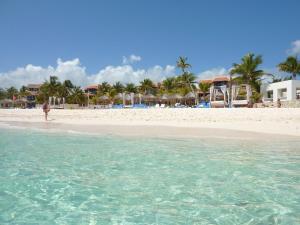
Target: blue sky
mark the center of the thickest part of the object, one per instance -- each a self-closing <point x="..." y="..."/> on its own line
<point x="213" y="34"/>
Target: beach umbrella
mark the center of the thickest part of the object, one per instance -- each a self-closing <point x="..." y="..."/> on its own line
<point x="176" y="96"/>
<point x="164" y="97"/>
<point x="149" y="97"/>
<point x="190" y="95"/>
<point x="104" y="97"/>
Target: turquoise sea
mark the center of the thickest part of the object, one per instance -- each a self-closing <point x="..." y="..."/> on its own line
<point x="48" y="178"/>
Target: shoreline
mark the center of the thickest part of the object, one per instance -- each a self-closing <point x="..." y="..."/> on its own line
<point x="237" y="123"/>
<point x="149" y="131"/>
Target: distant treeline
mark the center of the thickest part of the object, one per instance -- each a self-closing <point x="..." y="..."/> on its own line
<point x="247" y="72"/>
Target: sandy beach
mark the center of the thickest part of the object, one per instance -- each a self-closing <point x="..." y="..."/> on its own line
<point x="238" y="122"/>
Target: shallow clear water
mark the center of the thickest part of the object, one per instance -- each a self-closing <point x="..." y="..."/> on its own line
<point x="48" y="178"/>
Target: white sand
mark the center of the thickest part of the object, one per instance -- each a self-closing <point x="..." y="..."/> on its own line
<point x="283" y="121"/>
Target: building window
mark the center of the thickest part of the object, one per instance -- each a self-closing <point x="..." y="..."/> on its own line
<point x="282" y="93"/>
<point x="270" y="94"/>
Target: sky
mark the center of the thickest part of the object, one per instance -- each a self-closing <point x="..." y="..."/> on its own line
<point x="117" y="40"/>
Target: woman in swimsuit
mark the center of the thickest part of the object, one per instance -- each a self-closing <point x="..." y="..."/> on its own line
<point x="46" y="109"/>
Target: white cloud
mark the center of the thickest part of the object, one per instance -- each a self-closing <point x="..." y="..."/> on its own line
<point x="212" y="73"/>
<point x="295" y="49"/>
<point x="64" y="70"/>
<point x="74" y="71"/>
<point x="131" y="59"/>
<point x="127" y="74"/>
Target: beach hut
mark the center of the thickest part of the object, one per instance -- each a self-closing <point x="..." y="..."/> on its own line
<point x="149" y="99"/>
<point x="165" y="99"/>
<point x="20" y="103"/>
<point x="175" y="99"/>
<point x="104" y="100"/>
<point x="6" y="103"/>
<point x="190" y="99"/>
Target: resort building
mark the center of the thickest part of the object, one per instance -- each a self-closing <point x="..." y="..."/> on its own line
<point x="220" y="81"/>
<point x="33" y="89"/>
<point x="288" y="90"/>
<point x="91" y="90"/>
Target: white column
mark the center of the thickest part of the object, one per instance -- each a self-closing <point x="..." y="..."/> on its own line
<point x="291" y="91"/>
<point x="275" y="94"/>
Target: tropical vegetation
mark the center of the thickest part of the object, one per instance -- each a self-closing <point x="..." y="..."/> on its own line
<point x="185" y="83"/>
<point x="290" y="65"/>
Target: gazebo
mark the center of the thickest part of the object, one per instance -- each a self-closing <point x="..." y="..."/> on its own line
<point x="241" y="95"/>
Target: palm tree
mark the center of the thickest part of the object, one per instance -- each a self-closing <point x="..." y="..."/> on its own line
<point x="247" y="71"/>
<point x="10" y="92"/>
<point x="204" y="86"/>
<point x="182" y="64"/>
<point x="66" y="88"/>
<point x="146" y="86"/>
<point x="3" y="94"/>
<point x="52" y="86"/>
<point x="77" y="96"/>
<point x="187" y="79"/>
<point x="169" y="84"/>
<point x="118" y="87"/>
<point x="104" y="88"/>
<point x="23" y="92"/>
<point x="130" y="88"/>
<point x="290" y="65"/>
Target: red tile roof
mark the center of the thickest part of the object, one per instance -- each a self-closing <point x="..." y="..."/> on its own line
<point x="94" y="86"/>
<point x="206" y="81"/>
<point x="221" y="78"/>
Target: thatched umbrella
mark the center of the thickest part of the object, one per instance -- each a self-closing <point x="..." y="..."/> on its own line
<point x="104" y="99"/>
<point x="149" y="98"/>
<point x="21" y="102"/>
<point x="190" y="95"/>
<point x="176" y="98"/>
<point x="164" y="97"/>
<point x="190" y="98"/>
<point x="6" y="103"/>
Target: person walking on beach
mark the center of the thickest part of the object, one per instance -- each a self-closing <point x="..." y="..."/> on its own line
<point x="46" y="109"/>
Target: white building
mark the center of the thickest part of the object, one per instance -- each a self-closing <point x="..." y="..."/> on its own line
<point x="288" y="90"/>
